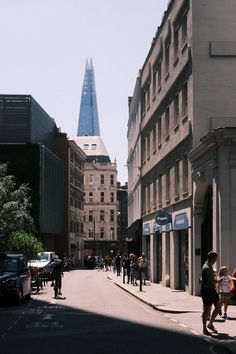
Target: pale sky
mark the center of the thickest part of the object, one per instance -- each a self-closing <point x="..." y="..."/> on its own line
<point x="44" y="46"/>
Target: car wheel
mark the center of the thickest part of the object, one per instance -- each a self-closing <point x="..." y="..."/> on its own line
<point x="19" y="296"/>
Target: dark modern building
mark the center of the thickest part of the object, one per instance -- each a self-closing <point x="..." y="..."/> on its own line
<point x="27" y="136"/>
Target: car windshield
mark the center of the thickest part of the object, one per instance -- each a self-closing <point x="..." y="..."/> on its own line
<point x="43" y="257"/>
<point x="8" y="264"/>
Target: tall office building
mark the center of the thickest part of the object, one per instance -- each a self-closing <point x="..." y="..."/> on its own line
<point x="100" y="176"/>
<point x="88" y="116"/>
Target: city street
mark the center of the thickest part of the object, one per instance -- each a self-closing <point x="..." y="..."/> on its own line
<point x="96" y="317"/>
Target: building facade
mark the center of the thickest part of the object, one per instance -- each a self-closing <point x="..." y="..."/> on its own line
<point x="134" y="236"/>
<point x="72" y="241"/>
<point x="187" y="141"/>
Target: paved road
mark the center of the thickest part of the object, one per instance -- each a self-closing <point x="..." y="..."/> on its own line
<point x="95" y="318"/>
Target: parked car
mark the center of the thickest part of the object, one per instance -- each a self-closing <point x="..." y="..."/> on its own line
<point x="15" y="277"/>
<point x="43" y="263"/>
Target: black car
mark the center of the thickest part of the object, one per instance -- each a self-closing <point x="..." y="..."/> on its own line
<point x="15" y="277"/>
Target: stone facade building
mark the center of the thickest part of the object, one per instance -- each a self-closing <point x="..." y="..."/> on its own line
<point x="188" y="115"/>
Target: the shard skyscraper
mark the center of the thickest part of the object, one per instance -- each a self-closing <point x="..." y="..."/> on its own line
<point x="88" y="118"/>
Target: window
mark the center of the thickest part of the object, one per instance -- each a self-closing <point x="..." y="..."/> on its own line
<point x="167" y="58"/>
<point x="112" y="232"/>
<point x="71" y="226"/>
<point x="154" y="139"/>
<point x="90" y="215"/>
<point x="143" y="102"/>
<point x="159" y="77"/>
<point x="154" y="193"/>
<point x="86" y="146"/>
<point x="177" y="178"/>
<point x="148" y="96"/>
<point x="159" y="132"/>
<point x="102" y="215"/>
<point x="102" y="181"/>
<point x="184" y="30"/>
<point x="90" y="233"/>
<point x="93" y="146"/>
<point x="185" y="100"/>
<point x="112" y="180"/>
<point x="112" y="197"/>
<point x="90" y="179"/>
<point x="176" y="44"/>
<point x="143" y="150"/>
<point x="167" y="122"/>
<point x="90" y="197"/>
<point x="185" y="174"/>
<point x="168" y="184"/>
<point x="176" y="109"/>
<point x="148" y="146"/>
<point x="112" y="215"/>
<point x="160" y="190"/>
<point x="144" y="200"/>
<point x="102" y="197"/>
<point x="154" y="83"/>
<point x="102" y="232"/>
<point x="148" y="198"/>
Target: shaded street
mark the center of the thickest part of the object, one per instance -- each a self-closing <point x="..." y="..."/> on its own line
<point x="95" y="317"/>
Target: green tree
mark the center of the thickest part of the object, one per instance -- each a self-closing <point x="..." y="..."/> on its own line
<point x="25" y="243"/>
<point x="14" y="207"/>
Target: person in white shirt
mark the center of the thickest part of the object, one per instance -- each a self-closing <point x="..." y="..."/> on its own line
<point x="224" y="281"/>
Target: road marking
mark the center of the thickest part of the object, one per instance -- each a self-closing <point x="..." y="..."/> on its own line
<point x="195" y="332"/>
<point x="174" y="320"/>
<point x="48" y="316"/>
<point x="129" y="297"/>
<point x="183" y="325"/>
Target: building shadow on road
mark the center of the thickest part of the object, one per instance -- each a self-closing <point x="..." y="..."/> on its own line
<point x="41" y="327"/>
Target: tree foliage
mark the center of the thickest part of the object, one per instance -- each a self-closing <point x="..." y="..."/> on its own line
<point x="25" y="243"/>
<point x="14" y="207"/>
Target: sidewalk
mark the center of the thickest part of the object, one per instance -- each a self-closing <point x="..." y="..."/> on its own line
<point x="178" y="302"/>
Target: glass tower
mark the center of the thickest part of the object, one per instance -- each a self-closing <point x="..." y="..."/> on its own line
<point x="88" y="117"/>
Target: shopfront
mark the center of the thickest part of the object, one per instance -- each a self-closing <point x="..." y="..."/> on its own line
<point x="181" y="234"/>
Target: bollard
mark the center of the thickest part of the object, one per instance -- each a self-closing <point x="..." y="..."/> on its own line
<point x="123" y="275"/>
<point x="140" y="280"/>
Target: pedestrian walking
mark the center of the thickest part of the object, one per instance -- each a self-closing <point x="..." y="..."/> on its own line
<point x="118" y="264"/>
<point x="209" y="294"/>
<point x="224" y="289"/>
<point x="57" y="273"/>
<point x="134" y="268"/>
<point x="142" y="263"/>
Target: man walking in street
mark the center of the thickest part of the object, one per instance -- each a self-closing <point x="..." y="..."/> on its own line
<point x="208" y="293"/>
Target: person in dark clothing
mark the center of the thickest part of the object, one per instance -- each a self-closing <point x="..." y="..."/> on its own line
<point x="209" y="294"/>
<point x="57" y="273"/>
<point x="118" y="264"/>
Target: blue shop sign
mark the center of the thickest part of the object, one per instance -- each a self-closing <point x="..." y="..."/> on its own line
<point x="157" y="228"/>
<point x="162" y="218"/>
<point x="181" y="221"/>
<point x="146" y="229"/>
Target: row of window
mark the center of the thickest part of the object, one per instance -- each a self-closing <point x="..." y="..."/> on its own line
<point x="76" y="227"/>
<point x="177" y="35"/>
<point x="102" y="197"/>
<point x="102" y="234"/>
<point x="101" y="215"/>
<point x="102" y="179"/>
<point x="169" y="185"/>
<point x="169" y="120"/>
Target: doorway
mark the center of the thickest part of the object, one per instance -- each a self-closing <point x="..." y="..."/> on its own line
<point x="206" y="227"/>
<point x="183" y="260"/>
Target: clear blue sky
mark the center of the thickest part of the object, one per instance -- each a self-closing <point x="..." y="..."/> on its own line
<point x="44" y="45"/>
